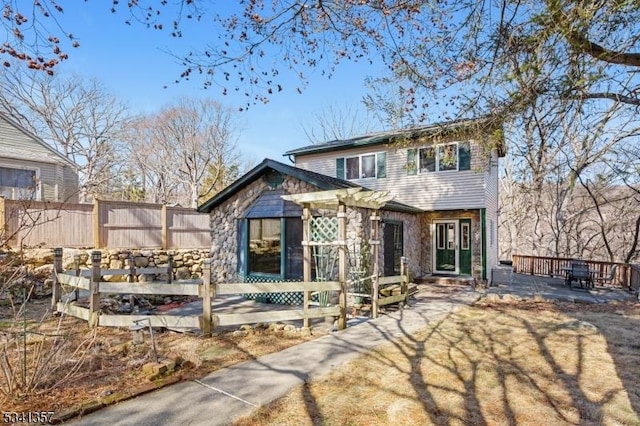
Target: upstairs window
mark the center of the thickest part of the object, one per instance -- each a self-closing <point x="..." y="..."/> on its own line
<point x="439" y="158"/>
<point x="364" y="166"/>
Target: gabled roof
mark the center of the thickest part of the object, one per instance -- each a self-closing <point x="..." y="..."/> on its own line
<point x="322" y="182"/>
<point x="45" y="155"/>
<point x="391" y="136"/>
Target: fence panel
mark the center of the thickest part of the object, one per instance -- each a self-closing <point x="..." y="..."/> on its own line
<point x="187" y="228"/>
<point x="48" y="224"/>
<point x="104" y="224"/>
<point x="126" y="225"/>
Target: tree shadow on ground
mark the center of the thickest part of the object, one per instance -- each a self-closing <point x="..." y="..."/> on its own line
<point x="515" y="366"/>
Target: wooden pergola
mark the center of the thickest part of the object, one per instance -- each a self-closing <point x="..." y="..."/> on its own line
<point x="339" y="200"/>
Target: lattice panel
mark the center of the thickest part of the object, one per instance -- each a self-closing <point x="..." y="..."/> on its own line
<point x="287" y="298"/>
<point x="324" y="229"/>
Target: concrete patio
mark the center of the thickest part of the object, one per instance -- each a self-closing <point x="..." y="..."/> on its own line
<point x="552" y="288"/>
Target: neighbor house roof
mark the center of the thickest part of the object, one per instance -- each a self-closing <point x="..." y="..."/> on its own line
<point x="386" y="137"/>
<point x="41" y="152"/>
<point x="322" y="182"/>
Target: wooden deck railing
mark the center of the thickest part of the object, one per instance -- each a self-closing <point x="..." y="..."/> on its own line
<point x="627" y="275"/>
<point x="634" y="282"/>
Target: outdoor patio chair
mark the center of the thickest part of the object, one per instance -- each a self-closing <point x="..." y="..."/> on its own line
<point x="604" y="279"/>
<point x="581" y="274"/>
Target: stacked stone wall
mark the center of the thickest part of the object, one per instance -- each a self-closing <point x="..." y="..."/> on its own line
<point x="186" y="263"/>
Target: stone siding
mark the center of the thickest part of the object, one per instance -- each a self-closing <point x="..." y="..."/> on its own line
<point x="224" y="231"/>
<point x="476" y="238"/>
<point x="224" y="237"/>
<point x="411" y="240"/>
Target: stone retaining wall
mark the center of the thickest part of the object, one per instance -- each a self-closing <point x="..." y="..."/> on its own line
<point x="186" y="263"/>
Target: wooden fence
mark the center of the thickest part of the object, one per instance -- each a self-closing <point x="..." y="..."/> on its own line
<point x="91" y="281"/>
<point x="627" y="276"/>
<point x="103" y="224"/>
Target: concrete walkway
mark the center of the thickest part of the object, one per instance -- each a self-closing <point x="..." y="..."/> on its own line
<point x="223" y="396"/>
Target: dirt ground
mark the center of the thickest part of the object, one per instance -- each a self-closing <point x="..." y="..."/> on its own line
<point x="68" y="364"/>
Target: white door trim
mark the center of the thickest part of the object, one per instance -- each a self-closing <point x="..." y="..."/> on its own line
<point x="456" y="242"/>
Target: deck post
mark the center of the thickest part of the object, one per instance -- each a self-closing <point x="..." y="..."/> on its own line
<point x="404" y="284"/>
<point x="342" y="264"/>
<point x="375" y="247"/>
<point x="208" y="293"/>
<point x="56" y="288"/>
<point x="94" y="296"/>
<point x="306" y="260"/>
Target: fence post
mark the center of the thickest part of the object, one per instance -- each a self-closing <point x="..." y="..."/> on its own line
<point x="94" y="297"/>
<point x="76" y="267"/>
<point x="164" y="226"/>
<point x="169" y="269"/>
<point x="56" y="289"/>
<point x="132" y="268"/>
<point x="207" y="293"/>
<point x="96" y="224"/>
<point x="404" y="284"/>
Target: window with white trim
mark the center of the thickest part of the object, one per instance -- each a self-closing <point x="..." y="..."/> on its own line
<point x="19" y="184"/>
<point x="365" y="166"/>
<point x="439" y="158"/>
<point x="450" y="156"/>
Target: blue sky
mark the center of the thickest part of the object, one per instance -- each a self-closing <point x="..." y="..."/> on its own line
<point x="132" y="63"/>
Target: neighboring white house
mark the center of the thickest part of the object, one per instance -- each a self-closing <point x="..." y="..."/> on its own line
<point x="443" y="218"/>
<point x="31" y="169"/>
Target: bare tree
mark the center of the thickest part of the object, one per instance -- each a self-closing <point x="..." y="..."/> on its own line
<point x="189" y="145"/>
<point x="77" y="117"/>
<point x="339" y="122"/>
<point x="561" y="187"/>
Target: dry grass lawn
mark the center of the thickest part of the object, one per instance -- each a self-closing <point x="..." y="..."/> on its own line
<point x="524" y="363"/>
<point x="68" y="364"/>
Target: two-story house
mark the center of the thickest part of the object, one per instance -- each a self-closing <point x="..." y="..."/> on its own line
<point x="443" y="217"/>
<point x="31" y="169"/>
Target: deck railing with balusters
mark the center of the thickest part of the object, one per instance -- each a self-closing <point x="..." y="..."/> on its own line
<point x="627" y="275"/>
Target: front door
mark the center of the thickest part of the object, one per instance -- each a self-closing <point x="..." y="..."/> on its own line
<point x="465" y="247"/>
<point x="446" y="247"/>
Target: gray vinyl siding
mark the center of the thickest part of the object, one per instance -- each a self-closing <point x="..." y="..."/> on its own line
<point x="492" y="214"/>
<point x="70" y="186"/>
<point x="58" y="178"/>
<point x="447" y="190"/>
